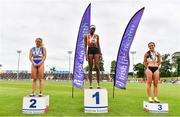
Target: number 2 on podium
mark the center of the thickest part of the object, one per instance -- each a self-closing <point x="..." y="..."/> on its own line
<point x="33" y="103"/>
<point x="97" y="97"/>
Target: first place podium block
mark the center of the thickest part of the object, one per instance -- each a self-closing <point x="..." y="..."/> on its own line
<point x="95" y="101"/>
<point x="35" y="105"/>
<point x="155" y="107"/>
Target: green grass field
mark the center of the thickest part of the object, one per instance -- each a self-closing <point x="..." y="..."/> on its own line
<point x="127" y="102"/>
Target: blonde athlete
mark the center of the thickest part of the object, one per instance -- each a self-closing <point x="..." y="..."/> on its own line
<point x="37" y="57"/>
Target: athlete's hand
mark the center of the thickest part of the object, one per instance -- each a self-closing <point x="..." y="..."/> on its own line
<point x="33" y="63"/>
<point x="100" y="57"/>
<point x="39" y="64"/>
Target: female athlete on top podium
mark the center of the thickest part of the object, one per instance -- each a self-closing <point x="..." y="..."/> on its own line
<point x="93" y="54"/>
<point x="152" y="60"/>
<point x="37" y="57"/>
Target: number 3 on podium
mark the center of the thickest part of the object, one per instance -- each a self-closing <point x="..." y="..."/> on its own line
<point x="96" y="95"/>
<point x="160" y="107"/>
<point x="33" y="102"/>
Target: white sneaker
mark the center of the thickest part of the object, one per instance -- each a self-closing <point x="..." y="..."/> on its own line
<point x="40" y="94"/>
<point x="156" y="100"/>
<point x="98" y="87"/>
<point x="32" y="94"/>
<point x="150" y="99"/>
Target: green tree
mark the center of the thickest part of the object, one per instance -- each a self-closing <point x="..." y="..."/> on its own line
<point x="112" y="70"/>
<point x="176" y="62"/>
<point x="130" y="74"/>
<point x="166" y="66"/>
<point x="101" y="65"/>
<point x="139" y="68"/>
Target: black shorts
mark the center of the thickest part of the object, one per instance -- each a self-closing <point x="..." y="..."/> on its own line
<point x="152" y="68"/>
<point x="93" y="50"/>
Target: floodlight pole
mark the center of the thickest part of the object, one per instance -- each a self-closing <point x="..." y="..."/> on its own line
<point x="69" y="52"/>
<point x="19" y="52"/>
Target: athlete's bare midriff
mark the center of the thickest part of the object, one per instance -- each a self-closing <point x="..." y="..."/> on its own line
<point x="152" y="64"/>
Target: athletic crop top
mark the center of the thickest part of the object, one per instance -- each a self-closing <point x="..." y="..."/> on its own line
<point x="152" y="56"/>
<point x="91" y="40"/>
<point x="37" y="52"/>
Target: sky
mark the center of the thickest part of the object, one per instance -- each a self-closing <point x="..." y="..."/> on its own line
<point x="57" y="23"/>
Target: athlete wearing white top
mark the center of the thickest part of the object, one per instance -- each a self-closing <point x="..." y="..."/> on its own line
<point x="152" y="60"/>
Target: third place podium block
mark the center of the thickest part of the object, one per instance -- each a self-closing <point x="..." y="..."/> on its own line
<point x="155" y="107"/>
<point x="35" y="105"/>
<point x="95" y="101"/>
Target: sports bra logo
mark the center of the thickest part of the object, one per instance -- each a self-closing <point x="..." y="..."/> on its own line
<point x="93" y="40"/>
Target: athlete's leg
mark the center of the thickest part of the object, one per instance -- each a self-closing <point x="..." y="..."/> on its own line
<point x="34" y="78"/>
<point x="90" y="63"/>
<point x="97" y="61"/>
<point x="41" y="77"/>
<point x="149" y="81"/>
<point x="156" y="79"/>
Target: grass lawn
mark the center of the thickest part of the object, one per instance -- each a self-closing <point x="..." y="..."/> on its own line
<point x="127" y="102"/>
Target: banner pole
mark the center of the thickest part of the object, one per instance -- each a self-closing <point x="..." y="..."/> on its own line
<point x="73" y="91"/>
<point x="113" y="90"/>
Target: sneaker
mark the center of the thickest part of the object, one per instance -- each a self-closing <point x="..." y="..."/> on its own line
<point x="150" y="99"/>
<point x="156" y="100"/>
<point x="32" y="94"/>
<point x="98" y="87"/>
<point x="40" y="94"/>
<point x="90" y="87"/>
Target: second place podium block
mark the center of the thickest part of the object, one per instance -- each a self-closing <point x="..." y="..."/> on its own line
<point x="35" y="105"/>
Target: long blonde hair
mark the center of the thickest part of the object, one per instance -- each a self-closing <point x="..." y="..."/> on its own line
<point x="41" y="45"/>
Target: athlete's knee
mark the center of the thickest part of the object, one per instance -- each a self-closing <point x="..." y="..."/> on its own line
<point x="41" y="76"/>
<point x="41" y="79"/>
<point x="90" y="69"/>
<point x="148" y="84"/>
<point x="97" y="66"/>
<point x="34" y="80"/>
<point x="156" y="85"/>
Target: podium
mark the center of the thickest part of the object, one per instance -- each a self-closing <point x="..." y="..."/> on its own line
<point x="156" y="107"/>
<point x="35" y="105"/>
<point x="95" y="101"/>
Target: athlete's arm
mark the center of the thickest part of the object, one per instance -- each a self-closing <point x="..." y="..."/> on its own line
<point x="44" y="56"/>
<point x="98" y="44"/>
<point x="145" y="60"/>
<point x="30" y="57"/>
<point x="85" y="44"/>
<point x="159" y="59"/>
